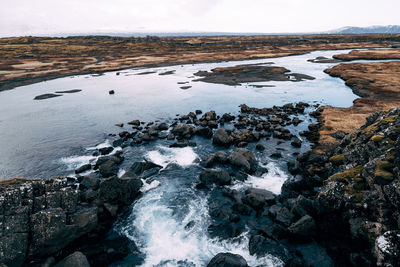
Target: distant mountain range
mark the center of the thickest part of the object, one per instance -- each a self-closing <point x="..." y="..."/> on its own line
<point x="389" y="29"/>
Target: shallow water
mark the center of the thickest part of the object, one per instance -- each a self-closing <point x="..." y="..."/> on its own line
<point x="34" y="135"/>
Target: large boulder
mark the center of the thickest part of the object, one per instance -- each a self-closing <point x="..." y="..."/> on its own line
<point x="262" y="246"/>
<point x="76" y="259"/>
<point x="221" y="138"/>
<point x="183" y="131"/>
<point x="304" y="227"/>
<point x="227" y="260"/>
<point x="142" y="169"/>
<point x="243" y="159"/>
<point x="258" y="198"/>
<point x="218" y="177"/>
<point x="119" y="190"/>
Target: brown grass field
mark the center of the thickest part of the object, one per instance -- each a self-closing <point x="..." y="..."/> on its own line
<point x="28" y="60"/>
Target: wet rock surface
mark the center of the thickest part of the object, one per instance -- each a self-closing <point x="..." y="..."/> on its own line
<point x="249" y="73"/>
<point x="81" y="211"/>
<point x="46" y="96"/>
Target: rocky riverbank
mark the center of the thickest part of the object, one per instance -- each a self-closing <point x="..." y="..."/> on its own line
<point x="339" y="208"/>
<point x="249" y="73"/>
<point x="377" y="85"/>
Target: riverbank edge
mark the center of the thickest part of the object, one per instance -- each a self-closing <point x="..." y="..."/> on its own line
<point x="23" y="81"/>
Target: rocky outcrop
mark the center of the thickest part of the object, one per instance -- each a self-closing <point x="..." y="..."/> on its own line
<point x="353" y="191"/>
<point x="39" y="218"/>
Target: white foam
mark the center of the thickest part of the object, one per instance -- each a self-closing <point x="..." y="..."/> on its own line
<point x="165" y="155"/>
<point x="161" y="235"/>
<point x="74" y="162"/>
<point x="146" y="187"/>
<point x="102" y="145"/>
<point x="272" y="181"/>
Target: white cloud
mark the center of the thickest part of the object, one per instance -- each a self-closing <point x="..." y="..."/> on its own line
<point x="27" y="17"/>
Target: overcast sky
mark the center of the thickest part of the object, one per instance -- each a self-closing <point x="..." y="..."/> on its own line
<point x="35" y="17"/>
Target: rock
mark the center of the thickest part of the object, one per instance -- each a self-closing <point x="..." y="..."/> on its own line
<point x="50" y="232"/>
<point x="218" y="177"/>
<point x="134" y="122"/>
<point x="227" y="260"/>
<point x="83" y="168"/>
<point x="162" y="126"/>
<point x="198" y="111"/>
<point x="262" y="246"/>
<point x="258" y="198"/>
<point x="210" y="160"/>
<point x="45" y="96"/>
<point x="284" y="216"/>
<point x="108" y="168"/>
<point x="106" y="150"/>
<point x="111" y="92"/>
<point x="276" y="155"/>
<point x="314" y="255"/>
<point x="204" y="132"/>
<point x="209" y="116"/>
<point x="260" y="147"/>
<point x="296" y="142"/>
<point x="142" y="169"/>
<point x="119" y="125"/>
<point x="179" y="144"/>
<point x="117" y="142"/>
<point x="387" y="249"/>
<point x="77" y="259"/>
<point x="183" y="130"/>
<point x="221" y="138"/>
<point x="304" y="227"/>
<point x="90" y="182"/>
<point x="243" y="159"/>
<point x="120" y="190"/>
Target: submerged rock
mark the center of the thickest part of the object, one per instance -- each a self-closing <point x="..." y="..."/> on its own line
<point x="46" y="96"/>
<point x="77" y="259"/>
<point x="227" y="260"/>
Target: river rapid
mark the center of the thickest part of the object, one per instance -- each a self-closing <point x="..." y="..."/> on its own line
<point x="169" y="223"/>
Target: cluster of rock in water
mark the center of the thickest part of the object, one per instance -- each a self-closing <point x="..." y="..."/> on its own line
<point x="339" y="208"/>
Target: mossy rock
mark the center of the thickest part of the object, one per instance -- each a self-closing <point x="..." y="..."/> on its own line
<point x="390" y="144"/>
<point x="337" y="159"/>
<point x="383" y="177"/>
<point x="14" y="181"/>
<point x="377" y="138"/>
<point x="371" y="130"/>
<point x="385" y="165"/>
<point x="388" y="120"/>
<point x="347" y="175"/>
<point x="356" y="195"/>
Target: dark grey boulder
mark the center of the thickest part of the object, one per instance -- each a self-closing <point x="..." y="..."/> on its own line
<point x="204" y="132"/>
<point x="243" y="159"/>
<point x="106" y="150"/>
<point x="83" y="168"/>
<point x="142" y="169"/>
<point x="218" y="177"/>
<point x="119" y="190"/>
<point x="221" y="138"/>
<point x="304" y="227"/>
<point x="76" y="259"/>
<point x="227" y="260"/>
<point x="262" y="246"/>
<point x="45" y="96"/>
<point x="258" y="198"/>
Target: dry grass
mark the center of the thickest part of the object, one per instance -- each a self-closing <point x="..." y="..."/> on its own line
<point x="75" y="55"/>
<point x="379" y="80"/>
